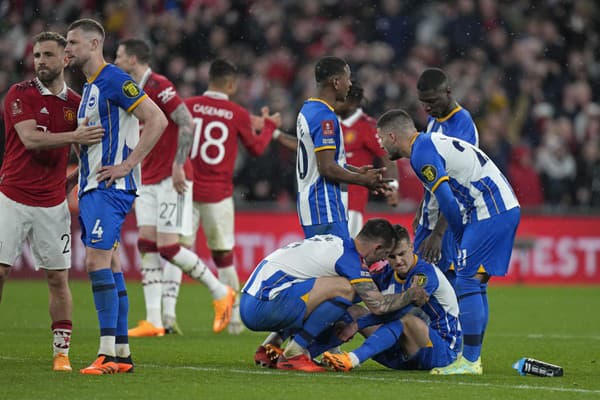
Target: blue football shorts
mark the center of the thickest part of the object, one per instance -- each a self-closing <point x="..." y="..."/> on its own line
<point x="285" y="311"/>
<point x="101" y="216"/>
<point x="449" y="248"/>
<point x="486" y="245"/>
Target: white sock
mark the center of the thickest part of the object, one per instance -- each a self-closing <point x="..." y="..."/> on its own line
<point x="193" y="266"/>
<point x="170" y="290"/>
<point x="107" y="346"/>
<point x="273" y="338"/>
<point x="354" y="359"/>
<point x="293" y="349"/>
<point x="228" y="275"/>
<point x="152" y="284"/>
<point x="122" y="350"/>
<point x="61" y="340"/>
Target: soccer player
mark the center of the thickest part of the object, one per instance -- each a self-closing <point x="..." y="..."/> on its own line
<point x="164" y="207"/>
<point x="109" y="176"/>
<point x="219" y="123"/>
<point x="41" y="123"/>
<point x="433" y="241"/>
<point x="322" y="171"/>
<point x="304" y="287"/>
<point x="408" y="342"/>
<point x="360" y="143"/>
<point x="480" y="207"/>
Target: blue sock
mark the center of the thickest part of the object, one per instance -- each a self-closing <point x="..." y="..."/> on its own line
<point x="382" y="339"/>
<point x="486" y="309"/>
<point x="471" y="316"/>
<point x="122" y="320"/>
<point x="325" y="341"/>
<point x="324" y="316"/>
<point x="106" y="300"/>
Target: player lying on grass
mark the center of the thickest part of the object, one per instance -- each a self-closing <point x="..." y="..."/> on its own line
<point x="303" y="288"/>
<point x="408" y="342"/>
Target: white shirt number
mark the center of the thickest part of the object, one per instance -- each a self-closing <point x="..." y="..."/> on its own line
<point x="217" y="140"/>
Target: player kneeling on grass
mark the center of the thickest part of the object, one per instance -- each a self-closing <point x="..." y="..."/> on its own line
<point x="302" y="289"/>
<point x="406" y="342"/>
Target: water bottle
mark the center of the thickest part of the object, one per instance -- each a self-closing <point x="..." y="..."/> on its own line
<point x="536" y="367"/>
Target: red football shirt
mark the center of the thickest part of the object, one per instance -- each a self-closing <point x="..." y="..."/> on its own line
<point x="157" y="165"/>
<point x="360" y="143"/>
<point x="218" y="125"/>
<point x="37" y="177"/>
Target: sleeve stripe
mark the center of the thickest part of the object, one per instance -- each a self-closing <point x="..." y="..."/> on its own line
<point x="324" y="148"/>
<point x="137" y="103"/>
<point x="439" y="182"/>
<point x="358" y="280"/>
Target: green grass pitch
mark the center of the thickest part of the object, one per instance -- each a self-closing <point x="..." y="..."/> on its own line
<point x="555" y="324"/>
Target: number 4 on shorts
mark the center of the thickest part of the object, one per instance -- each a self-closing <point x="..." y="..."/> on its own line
<point x="98" y="231"/>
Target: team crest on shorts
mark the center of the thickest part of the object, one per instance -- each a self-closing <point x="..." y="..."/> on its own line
<point x="131" y="89"/>
<point x="420" y="279"/>
<point x="429" y="172"/>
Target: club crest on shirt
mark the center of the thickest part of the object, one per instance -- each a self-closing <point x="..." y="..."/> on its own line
<point x="69" y="114"/>
<point x="429" y="172"/>
<point x="327" y="127"/>
<point x="130" y="89"/>
<point x="420" y="279"/>
<point x="349" y="136"/>
<point x="15" y="107"/>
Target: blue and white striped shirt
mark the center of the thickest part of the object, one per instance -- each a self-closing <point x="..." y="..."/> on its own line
<point x="319" y="201"/>
<point x="108" y="98"/>
<point x="459" y="124"/>
<point x="477" y="184"/>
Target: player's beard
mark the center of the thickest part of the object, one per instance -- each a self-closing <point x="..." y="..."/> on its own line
<point x="47" y="75"/>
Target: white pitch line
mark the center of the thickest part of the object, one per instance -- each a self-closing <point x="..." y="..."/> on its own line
<point x="545" y="336"/>
<point x="263" y="371"/>
<point x="370" y="378"/>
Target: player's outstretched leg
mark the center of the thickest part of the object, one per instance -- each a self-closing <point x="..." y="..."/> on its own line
<point x="191" y="264"/>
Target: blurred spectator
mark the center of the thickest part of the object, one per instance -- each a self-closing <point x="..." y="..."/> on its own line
<point x="516" y="65"/>
<point x="557" y="168"/>
<point x="588" y="180"/>
<point x="524" y="178"/>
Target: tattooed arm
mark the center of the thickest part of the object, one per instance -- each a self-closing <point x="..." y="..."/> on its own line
<point x="182" y="117"/>
<point x="379" y="303"/>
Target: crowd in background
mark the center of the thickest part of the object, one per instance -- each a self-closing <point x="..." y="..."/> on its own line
<point x="527" y="70"/>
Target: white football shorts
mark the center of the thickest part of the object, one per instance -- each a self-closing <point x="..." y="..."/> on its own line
<point x="355" y="222"/>
<point x="47" y="229"/>
<point x="161" y="206"/>
<point x="217" y="223"/>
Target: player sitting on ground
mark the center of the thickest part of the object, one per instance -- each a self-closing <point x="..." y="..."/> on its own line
<point x="408" y="342"/>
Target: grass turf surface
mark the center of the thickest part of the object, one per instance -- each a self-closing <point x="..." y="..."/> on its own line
<point x="555" y="324"/>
